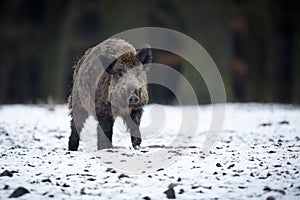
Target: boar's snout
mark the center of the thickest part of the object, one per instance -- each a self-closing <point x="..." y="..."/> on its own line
<point x="134" y="98"/>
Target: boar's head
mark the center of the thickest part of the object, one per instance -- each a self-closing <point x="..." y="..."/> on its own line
<point x="128" y="80"/>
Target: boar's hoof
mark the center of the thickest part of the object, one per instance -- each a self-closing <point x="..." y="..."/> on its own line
<point x="136" y="142"/>
<point x="73" y="142"/>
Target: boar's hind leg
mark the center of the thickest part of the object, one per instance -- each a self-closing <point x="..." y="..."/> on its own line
<point x="105" y="130"/>
<point x="133" y="125"/>
<point x="74" y="138"/>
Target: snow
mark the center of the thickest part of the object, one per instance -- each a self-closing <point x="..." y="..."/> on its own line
<point x="256" y="155"/>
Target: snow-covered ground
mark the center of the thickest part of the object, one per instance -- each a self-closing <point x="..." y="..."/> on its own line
<point x="256" y="155"/>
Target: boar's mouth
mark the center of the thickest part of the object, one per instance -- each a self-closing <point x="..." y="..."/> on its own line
<point x="124" y="104"/>
<point x="140" y="105"/>
<point x="123" y="111"/>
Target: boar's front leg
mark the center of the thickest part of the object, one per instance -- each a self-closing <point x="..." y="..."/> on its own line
<point x="133" y="123"/>
<point x="105" y="130"/>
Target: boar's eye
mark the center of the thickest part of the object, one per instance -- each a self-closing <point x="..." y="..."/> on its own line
<point x="120" y="73"/>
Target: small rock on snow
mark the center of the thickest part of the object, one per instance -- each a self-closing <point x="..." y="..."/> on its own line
<point x="283" y="122"/>
<point x="123" y="176"/>
<point x="170" y="193"/>
<point x="230" y="166"/>
<point x="46" y="180"/>
<point x="7" y="173"/>
<point x="181" y="191"/>
<point x="270" y="198"/>
<point x="19" y="192"/>
<point x="218" y="165"/>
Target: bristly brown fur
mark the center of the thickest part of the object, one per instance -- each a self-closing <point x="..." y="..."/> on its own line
<point x="128" y="60"/>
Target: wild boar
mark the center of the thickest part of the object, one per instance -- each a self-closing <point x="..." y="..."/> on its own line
<point x="109" y="81"/>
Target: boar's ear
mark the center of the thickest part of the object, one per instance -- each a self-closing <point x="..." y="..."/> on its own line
<point x="145" y="55"/>
<point x="108" y="62"/>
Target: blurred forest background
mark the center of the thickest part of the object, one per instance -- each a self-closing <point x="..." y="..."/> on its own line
<point x="254" y="43"/>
